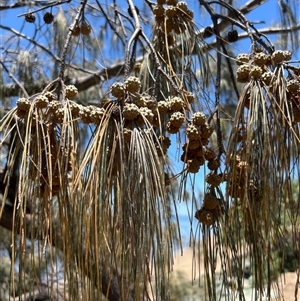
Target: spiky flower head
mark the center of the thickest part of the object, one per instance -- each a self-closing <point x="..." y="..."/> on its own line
<point x="243" y="73"/>
<point x="23" y="104"/>
<point x="278" y="56"/>
<point x="97" y="114"/>
<point x="176" y="103"/>
<point x="193" y="144"/>
<point x="59" y="115"/>
<point x="50" y="96"/>
<point x="138" y="100"/>
<point x="293" y="85"/>
<point x="132" y="84"/>
<point x="118" y="90"/>
<point x="71" y="91"/>
<point x="209" y="153"/>
<point x="127" y="134"/>
<point x="260" y="58"/>
<point x="255" y="72"/>
<point x="163" y="106"/>
<point x="177" y="119"/>
<point x="75" y="108"/>
<point x="242" y="58"/>
<point x="53" y="106"/>
<point x="130" y="111"/>
<point x="182" y="6"/>
<point x="172" y="2"/>
<point x="165" y="141"/>
<point x="150" y="102"/>
<point x="85" y="114"/>
<point x="41" y="101"/>
<point x="287" y="55"/>
<point x="199" y="118"/>
<point x="193" y="132"/>
<point x="171" y="12"/>
<point x="76" y="31"/>
<point x="190" y="97"/>
<point x="267" y="77"/>
<point x="147" y="113"/>
<point x="85" y="28"/>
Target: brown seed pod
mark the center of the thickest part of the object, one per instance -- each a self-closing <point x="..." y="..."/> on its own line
<point x="213" y="179"/>
<point x="71" y="91"/>
<point x="176" y="119"/>
<point x="74" y="108"/>
<point x="210" y="201"/>
<point x="130" y="111"/>
<point x="206" y="217"/>
<point x="199" y="118"/>
<point x="242" y="58"/>
<point x="53" y="106"/>
<point x="158" y="11"/>
<point x="243" y="73"/>
<point x="213" y="164"/>
<point x="48" y="17"/>
<point x="41" y="101"/>
<point x="232" y="36"/>
<point x="193" y="132"/>
<point x="132" y="84"/>
<point x="50" y="96"/>
<point x="163" y="106"/>
<point x="209" y="154"/>
<point x="146" y="113"/>
<point x="85" y="28"/>
<point x="85" y="114"/>
<point x="193" y="165"/>
<point x="97" y="115"/>
<point x="23" y="104"/>
<point x="176" y="103"/>
<point x="190" y="97"/>
<point x="118" y="90"/>
<point x="206" y="131"/>
<point x="30" y="18"/>
<point x="193" y="144"/>
<point x="172" y="129"/>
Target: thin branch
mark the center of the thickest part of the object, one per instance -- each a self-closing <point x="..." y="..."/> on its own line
<point x="68" y="40"/>
<point x="86" y="82"/>
<point x="214" y="18"/>
<point x="135" y="35"/>
<point x="46" y="6"/>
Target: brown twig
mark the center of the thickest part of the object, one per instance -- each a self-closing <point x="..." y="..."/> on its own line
<point x="68" y="39"/>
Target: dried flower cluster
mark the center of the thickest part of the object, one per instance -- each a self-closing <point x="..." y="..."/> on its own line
<point x="210" y="210"/>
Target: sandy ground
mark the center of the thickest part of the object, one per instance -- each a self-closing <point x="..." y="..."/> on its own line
<point x="184" y="271"/>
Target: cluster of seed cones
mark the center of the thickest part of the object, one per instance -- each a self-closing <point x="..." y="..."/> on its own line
<point x="210" y="210"/>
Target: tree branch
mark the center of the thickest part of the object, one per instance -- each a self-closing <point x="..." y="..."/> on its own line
<point x="85" y="82"/>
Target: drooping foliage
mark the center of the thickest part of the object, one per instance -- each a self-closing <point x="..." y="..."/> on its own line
<point x="87" y="177"/>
